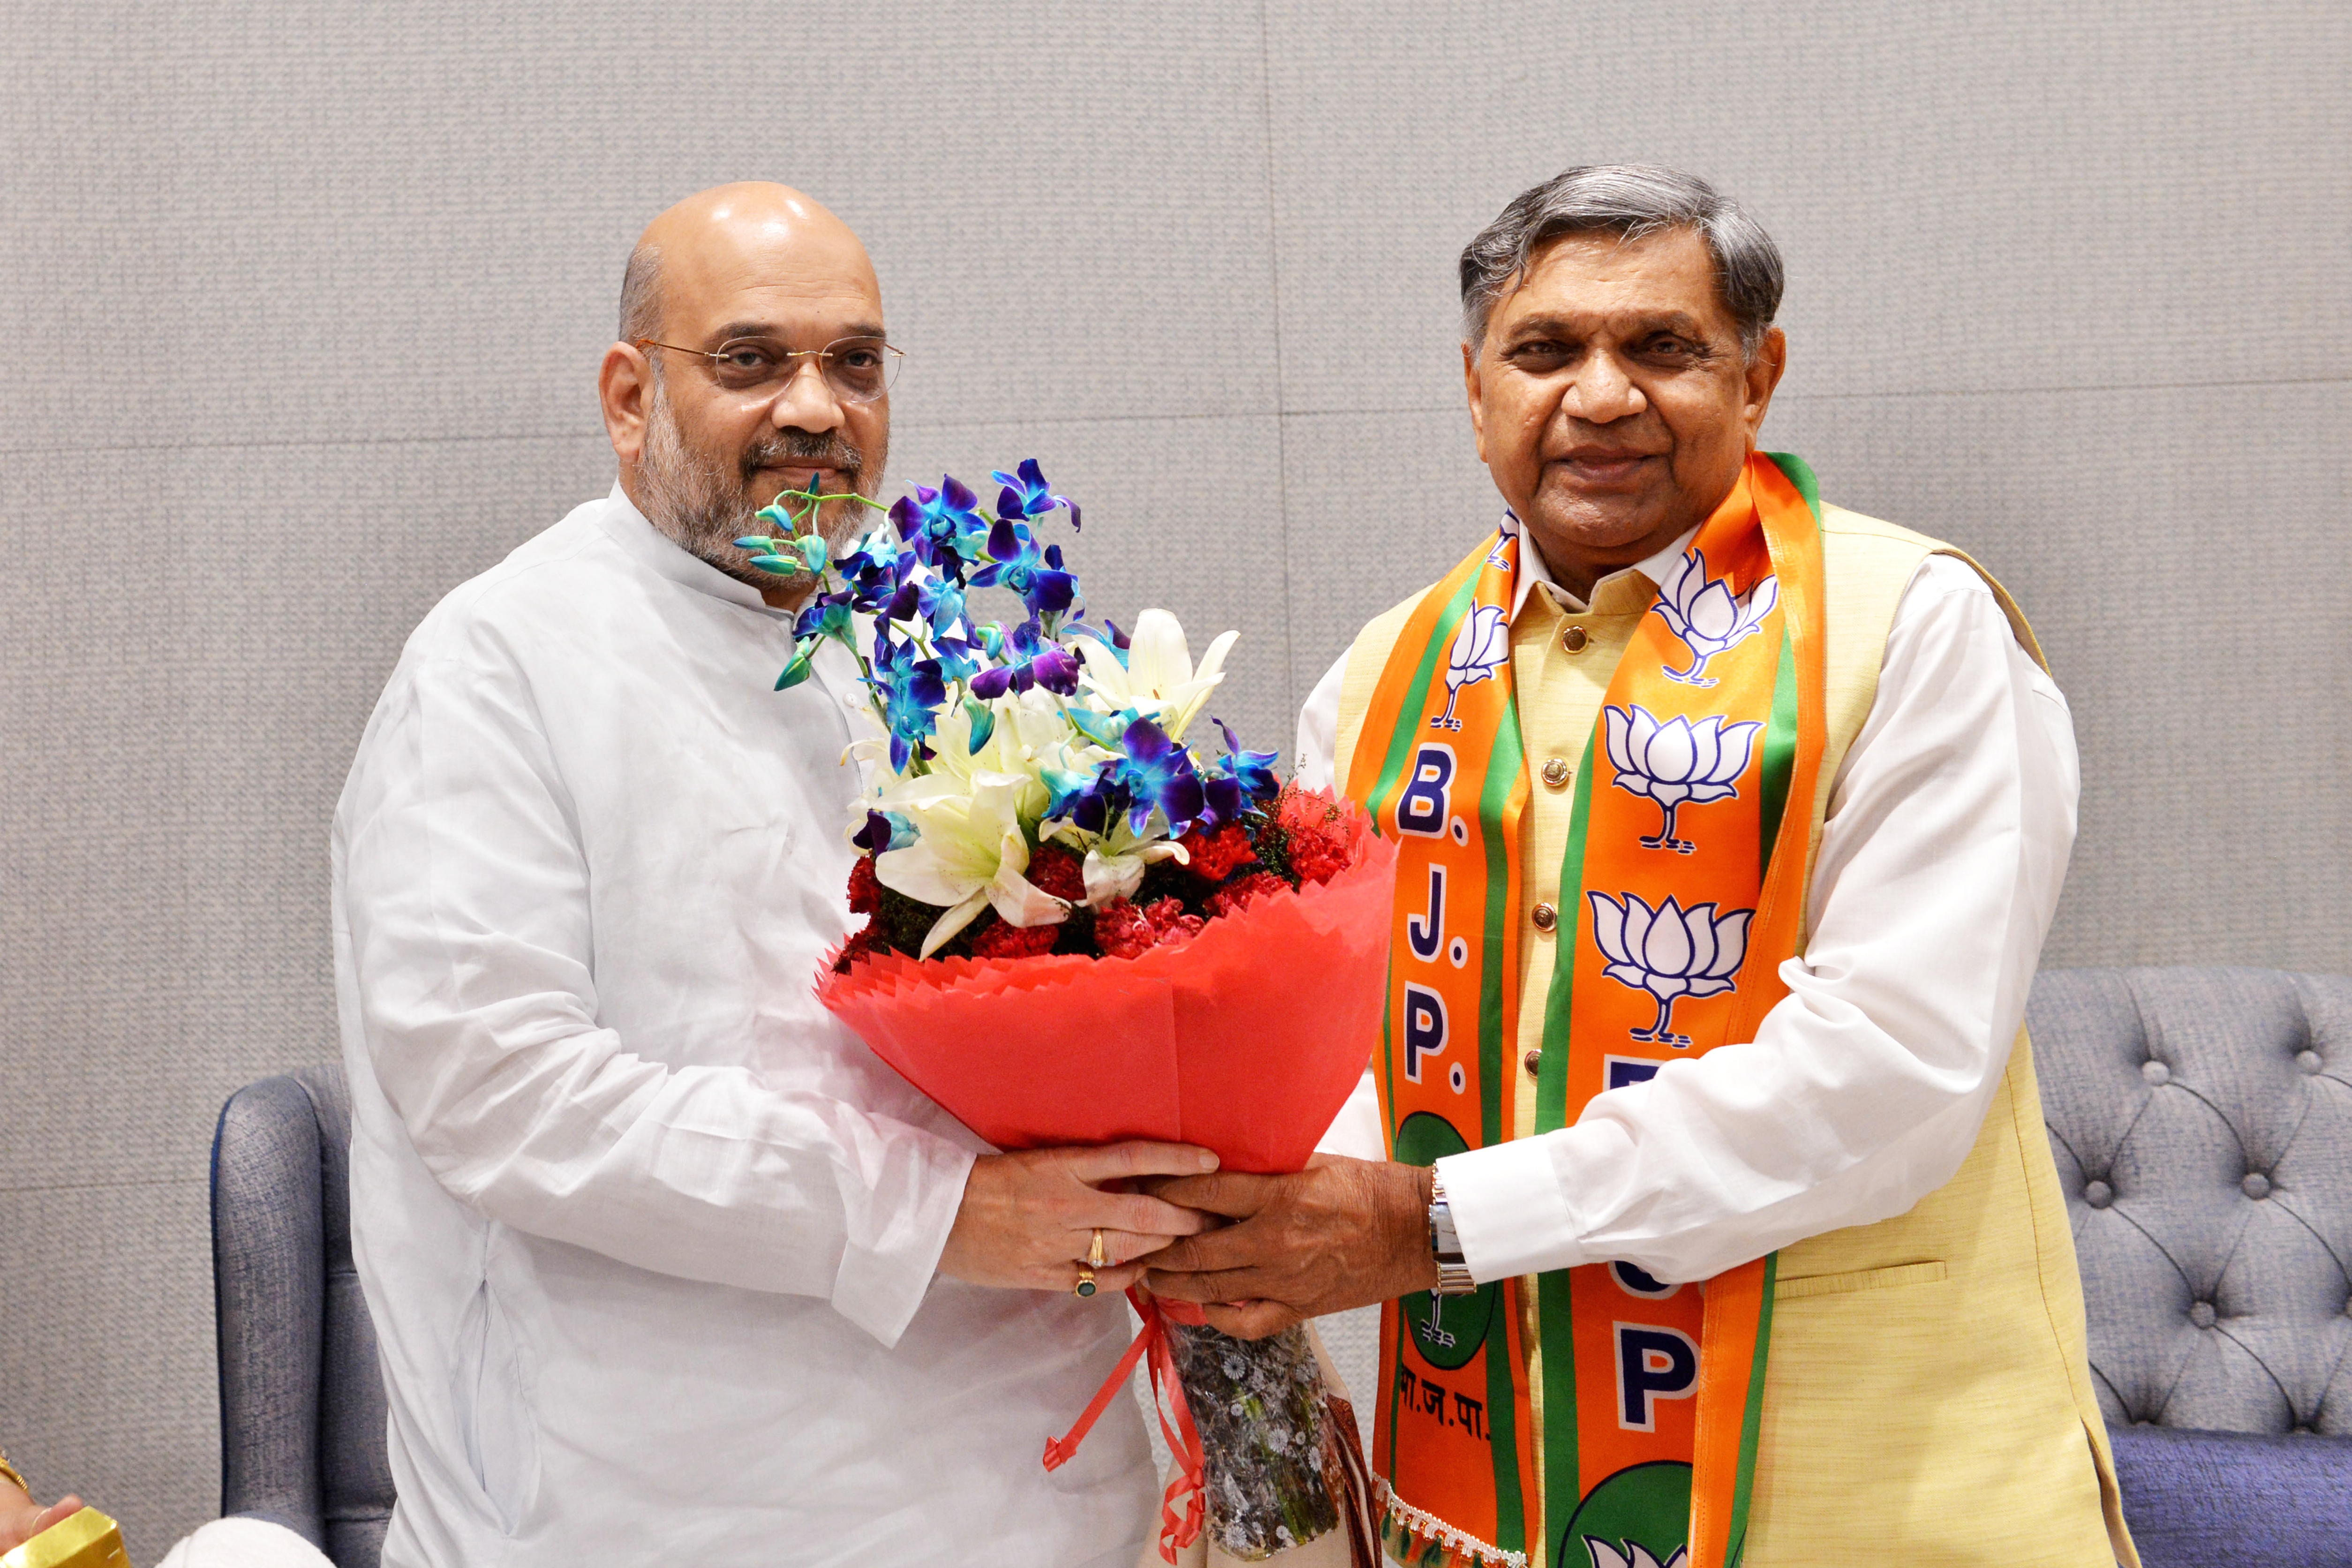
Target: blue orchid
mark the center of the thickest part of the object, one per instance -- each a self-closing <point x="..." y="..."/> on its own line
<point x="912" y="689"/>
<point x="803" y="660"/>
<point x="958" y="663"/>
<point x="983" y="725"/>
<point x="1253" y="771"/>
<point x="875" y="574"/>
<point x="999" y="679"/>
<point x="884" y="831"/>
<point x="1158" y="772"/>
<point x="1105" y="730"/>
<point x="944" y="526"/>
<point x="1015" y="563"/>
<point x="1026" y="494"/>
<point x="1087" y="799"/>
<point x="940" y="603"/>
<point x="826" y="616"/>
<point x="1052" y="670"/>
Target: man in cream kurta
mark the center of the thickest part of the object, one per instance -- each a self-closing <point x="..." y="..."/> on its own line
<point x="665" y="1266"/>
<point x="1926" y="1398"/>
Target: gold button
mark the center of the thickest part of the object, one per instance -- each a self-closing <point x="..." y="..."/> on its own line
<point x="1573" y="639"/>
<point x="1533" y="1061"/>
<point x="1546" y="917"/>
<point x="1554" y="773"/>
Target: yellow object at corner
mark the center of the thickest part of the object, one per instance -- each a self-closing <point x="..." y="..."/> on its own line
<point x="85" y="1540"/>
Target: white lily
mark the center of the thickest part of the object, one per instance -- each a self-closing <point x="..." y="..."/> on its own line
<point x="1159" y="679"/>
<point x="970" y="852"/>
<point x="1115" y="867"/>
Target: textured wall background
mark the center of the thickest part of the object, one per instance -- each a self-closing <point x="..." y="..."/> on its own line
<point x="303" y="307"/>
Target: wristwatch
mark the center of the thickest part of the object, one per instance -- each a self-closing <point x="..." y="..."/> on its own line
<point x="1452" y="1273"/>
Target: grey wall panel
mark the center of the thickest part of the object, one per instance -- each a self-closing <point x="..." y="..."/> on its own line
<point x="2179" y="551"/>
<point x="189" y="668"/>
<point x="412" y="222"/>
<point x="107" y="1379"/>
<point x="1980" y="196"/>
<point x="1379" y="504"/>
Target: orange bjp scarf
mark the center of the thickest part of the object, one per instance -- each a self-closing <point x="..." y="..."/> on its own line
<point x="1681" y="892"/>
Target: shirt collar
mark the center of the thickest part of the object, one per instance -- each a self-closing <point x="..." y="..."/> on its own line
<point x="1534" y="569"/>
<point x="665" y="557"/>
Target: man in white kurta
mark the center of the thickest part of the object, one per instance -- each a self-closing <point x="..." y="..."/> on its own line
<point x="658" y="1252"/>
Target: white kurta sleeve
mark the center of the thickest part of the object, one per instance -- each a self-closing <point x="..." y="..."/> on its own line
<point x="1356" y="1131"/>
<point x="465" y="891"/>
<point x="1317" y="751"/>
<point x="1947" y="836"/>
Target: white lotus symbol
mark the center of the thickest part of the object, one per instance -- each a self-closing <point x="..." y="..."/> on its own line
<point x="1676" y="763"/>
<point x="1499" y="558"/>
<point x="1669" y="952"/>
<point x="1702" y="611"/>
<point x="1479" y="649"/>
<point x="1635" y="1556"/>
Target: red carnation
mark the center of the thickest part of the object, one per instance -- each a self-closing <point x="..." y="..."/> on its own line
<point x="864" y="888"/>
<point x="1054" y="869"/>
<point x="1237" y="895"/>
<point x="1218" y="855"/>
<point x="1320" y="852"/>
<point x="1004" y="940"/>
<point x="1170" y="921"/>
<point x="863" y="942"/>
<point x="1121" y="930"/>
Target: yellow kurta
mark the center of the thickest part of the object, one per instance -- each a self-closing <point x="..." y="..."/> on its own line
<point x="1928" y="1399"/>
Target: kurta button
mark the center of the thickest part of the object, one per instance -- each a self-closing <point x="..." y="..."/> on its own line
<point x="1556" y="772"/>
<point x="1546" y="917"/>
<point x="1533" y="1062"/>
<point x="1573" y="639"/>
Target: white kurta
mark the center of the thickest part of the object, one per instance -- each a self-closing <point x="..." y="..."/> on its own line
<point x="649" y="1239"/>
<point x="1949" y="826"/>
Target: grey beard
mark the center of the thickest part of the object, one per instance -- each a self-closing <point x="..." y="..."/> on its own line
<point x="693" y="498"/>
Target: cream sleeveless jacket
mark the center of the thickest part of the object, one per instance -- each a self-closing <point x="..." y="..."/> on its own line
<point x="1928" y="1399"/>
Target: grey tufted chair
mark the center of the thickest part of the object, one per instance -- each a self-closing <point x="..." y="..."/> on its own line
<point x="2202" y="1121"/>
<point x="302" y="1402"/>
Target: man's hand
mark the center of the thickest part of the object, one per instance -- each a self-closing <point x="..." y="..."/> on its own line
<point x="21" y="1518"/>
<point x="1028" y="1219"/>
<point x="1340" y="1233"/>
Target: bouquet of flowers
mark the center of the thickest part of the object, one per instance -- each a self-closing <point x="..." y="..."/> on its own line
<point x="1080" y="929"/>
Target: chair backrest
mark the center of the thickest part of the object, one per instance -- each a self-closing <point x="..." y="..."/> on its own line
<point x="2201" y="1120"/>
<point x="302" y="1402"/>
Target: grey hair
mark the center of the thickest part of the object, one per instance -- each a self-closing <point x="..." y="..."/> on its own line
<point x="641" y="295"/>
<point x="1631" y="200"/>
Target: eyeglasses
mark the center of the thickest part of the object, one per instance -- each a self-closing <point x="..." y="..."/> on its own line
<point x="858" y="370"/>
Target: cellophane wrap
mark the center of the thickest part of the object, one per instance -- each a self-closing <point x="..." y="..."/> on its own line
<point x="1275" y="1476"/>
<point x="1245" y="1039"/>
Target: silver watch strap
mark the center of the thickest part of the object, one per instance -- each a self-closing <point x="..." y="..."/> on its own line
<point x="1444" y="1245"/>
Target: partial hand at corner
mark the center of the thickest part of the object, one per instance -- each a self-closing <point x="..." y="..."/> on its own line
<point x="1340" y="1233"/>
<point x="1028" y="1217"/>
<point x="21" y="1518"/>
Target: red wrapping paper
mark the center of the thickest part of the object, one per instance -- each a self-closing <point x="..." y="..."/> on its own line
<point x="1245" y="1039"/>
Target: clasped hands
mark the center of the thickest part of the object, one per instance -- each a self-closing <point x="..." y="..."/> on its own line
<point x="1257" y="1253"/>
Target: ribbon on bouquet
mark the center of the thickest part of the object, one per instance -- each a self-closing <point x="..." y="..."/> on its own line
<point x="1177" y="1528"/>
